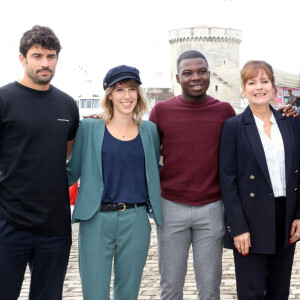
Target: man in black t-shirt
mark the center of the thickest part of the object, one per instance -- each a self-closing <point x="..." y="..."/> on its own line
<point x="38" y="123"/>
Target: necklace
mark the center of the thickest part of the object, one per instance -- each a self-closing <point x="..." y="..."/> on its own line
<point x="267" y="123"/>
<point x="266" y="120"/>
<point x="122" y="132"/>
<point x="125" y="133"/>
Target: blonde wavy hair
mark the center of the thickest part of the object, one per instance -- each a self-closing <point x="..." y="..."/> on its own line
<point x="138" y="112"/>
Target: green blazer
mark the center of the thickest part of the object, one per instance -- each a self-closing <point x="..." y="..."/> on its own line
<point x="86" y="163"/>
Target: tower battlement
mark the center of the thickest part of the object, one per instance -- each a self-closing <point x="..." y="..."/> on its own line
<point x="205" y="33"/>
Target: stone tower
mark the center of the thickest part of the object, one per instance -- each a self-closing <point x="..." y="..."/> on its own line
<point x="220" y="46"/>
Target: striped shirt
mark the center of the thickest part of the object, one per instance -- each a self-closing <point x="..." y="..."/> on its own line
<point x="275" y="157"/>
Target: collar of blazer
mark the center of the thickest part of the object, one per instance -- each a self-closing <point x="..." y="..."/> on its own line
<point x="98" y="136"/>
<point x="248" y="115"/>
<point x="257" y="146"/>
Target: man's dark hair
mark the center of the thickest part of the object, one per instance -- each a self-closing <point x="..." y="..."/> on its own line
<point x="189" y="54"/>
<point x="289" y="90"/>
<point x="40" y="35"/>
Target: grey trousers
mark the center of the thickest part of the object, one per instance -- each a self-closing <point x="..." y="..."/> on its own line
<point x="183" y="226"/>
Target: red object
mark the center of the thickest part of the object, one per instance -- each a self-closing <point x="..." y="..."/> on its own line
<point x="73" y="191"/>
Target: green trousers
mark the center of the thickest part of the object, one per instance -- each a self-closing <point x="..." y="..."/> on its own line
<point x="122" y="236"/>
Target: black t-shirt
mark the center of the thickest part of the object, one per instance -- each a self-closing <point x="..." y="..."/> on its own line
<point x="34" y="129"/>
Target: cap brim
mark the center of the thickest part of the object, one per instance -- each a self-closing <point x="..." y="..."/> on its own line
<point x="124" y="77"/>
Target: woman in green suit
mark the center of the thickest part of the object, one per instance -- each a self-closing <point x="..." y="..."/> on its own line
<point x="117" y="161"/>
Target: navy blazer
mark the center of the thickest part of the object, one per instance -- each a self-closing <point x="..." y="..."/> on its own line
<point x="245" y="182"/>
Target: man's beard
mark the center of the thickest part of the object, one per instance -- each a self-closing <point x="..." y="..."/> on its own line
<point x="36" y="78"/>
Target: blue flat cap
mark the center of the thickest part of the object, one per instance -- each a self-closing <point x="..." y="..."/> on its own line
<point x="119" y="73"/>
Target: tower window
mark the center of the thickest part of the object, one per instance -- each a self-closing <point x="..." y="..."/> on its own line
<point x="216" y="88"/>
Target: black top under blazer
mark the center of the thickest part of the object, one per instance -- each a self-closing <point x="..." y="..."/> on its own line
<point x="245" y="182"/>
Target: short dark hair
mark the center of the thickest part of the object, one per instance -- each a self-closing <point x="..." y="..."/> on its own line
<point x="40" y="35"/>
<point x="188" y="55"/>
<point x="289" y="90"/>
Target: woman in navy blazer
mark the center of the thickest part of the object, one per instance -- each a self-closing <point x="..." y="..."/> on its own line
<point x="259" y="176"/>
<point x="117" y="160"/>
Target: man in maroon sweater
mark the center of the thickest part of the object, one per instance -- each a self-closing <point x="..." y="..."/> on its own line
<point x="190" y="127"/>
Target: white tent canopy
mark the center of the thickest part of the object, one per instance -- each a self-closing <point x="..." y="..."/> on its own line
<point x="232" y="78"/>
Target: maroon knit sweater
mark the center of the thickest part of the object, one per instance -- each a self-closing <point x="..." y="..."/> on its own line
<point x="190" y="134"/>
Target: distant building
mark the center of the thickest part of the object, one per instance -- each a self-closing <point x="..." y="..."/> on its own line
<point x="157" y="94"/>
<point x="88" y="105"/>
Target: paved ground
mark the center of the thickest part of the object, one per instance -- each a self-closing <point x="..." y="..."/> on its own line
<point x="150" y="284"/>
